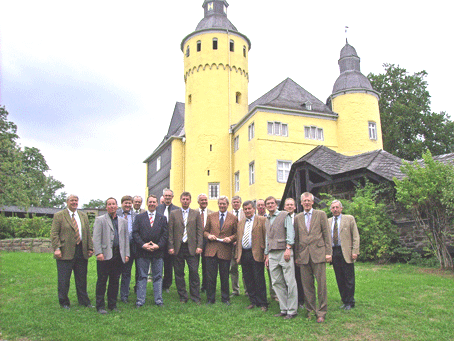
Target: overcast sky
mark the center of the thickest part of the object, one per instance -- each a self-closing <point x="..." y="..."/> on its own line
<point x="93" y="84"/>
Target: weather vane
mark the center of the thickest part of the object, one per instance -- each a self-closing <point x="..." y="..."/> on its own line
<point x="346" y="35"/>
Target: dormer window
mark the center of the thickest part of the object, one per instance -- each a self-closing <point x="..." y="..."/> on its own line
<point x="307" y="105"/>
<point x="210" y="6"/>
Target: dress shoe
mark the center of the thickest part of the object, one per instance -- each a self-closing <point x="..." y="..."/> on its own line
<point x="209" y="303"/>
<point x="66" y="307"/>
<point x="348" y="307"/>
<point x="183" y="300"/>
<point x="124" y="300"/>
<point x="233" y="294"/>
<point x="250" y="306"/>
<point x="290" y="316"/>
<point x="139" y="306"/>
<point x="115" y="310"/>
<point x="89" y="306"/>
<point x="264" y="309"/>
<point x="227" y="303"/>
<point x="102" y="311"/>
<point x="320" y="319"/>
<point x="160" y="304"/>
<point x="280" y="315"/>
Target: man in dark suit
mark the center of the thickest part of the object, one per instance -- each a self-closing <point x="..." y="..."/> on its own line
<point x="165" y="210"/>
<point x="185" y="244"/>
<point x="250" y="249"/>
<point x="312" y="251"/>
<point x="237" y="211"/>
<point x="220" y="230"/>
<point x="204" y="211"/>
<point x="345" y="241"/>
<point x="111" y="246"/>
<point x="150" y="235"/>
<point x="126" y="212"/>
<point x="73" y="245"/>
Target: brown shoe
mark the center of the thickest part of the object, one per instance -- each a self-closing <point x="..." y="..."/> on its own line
<point x="320" y="319"/>
<point x="280" y="315"/>
<point x="290" y="316"/>
<point x="264" y="309"/>
<point x="250" y="306"/>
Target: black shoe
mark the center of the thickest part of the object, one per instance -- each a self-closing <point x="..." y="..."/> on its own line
<point x="209" y="303"/>
<point x="290" y="316"/>
<point x="183" y="300"/>
<point x="102" y="311"/>
<point x="227" y="302"/>
<point x="280" y="315"/>
<point x="66" y="307"/>
<point x="160" y="304"/>
<point x="348" y="307"/>
<point x="115" y="310"/>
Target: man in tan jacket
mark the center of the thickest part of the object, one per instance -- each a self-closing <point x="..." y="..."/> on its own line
<point x="345" y="237"/>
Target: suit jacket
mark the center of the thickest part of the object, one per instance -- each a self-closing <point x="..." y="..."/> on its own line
<point x="241" y="215"/>
<point x="161" y="208"/>
<point x="349" y="236"/>
<point x="194" y="229"/>
<point x="220" y="249"/>
<point x="316" y="243"/>
<point x="63" y="234"/>
<point x="207" y="213"/>
<point x="257" y="239"/>
<point x="143" y="232"/>
<point x="103" y="237"/>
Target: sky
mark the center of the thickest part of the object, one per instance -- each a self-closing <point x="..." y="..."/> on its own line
<point x="93" y="84"/>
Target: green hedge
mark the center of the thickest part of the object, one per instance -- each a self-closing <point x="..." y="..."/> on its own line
<point x="14" y="227"/>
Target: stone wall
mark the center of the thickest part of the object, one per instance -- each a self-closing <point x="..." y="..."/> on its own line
<point x="38" y="245"/>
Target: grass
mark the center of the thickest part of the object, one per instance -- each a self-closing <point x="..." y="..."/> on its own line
<point x="394" y="302"/>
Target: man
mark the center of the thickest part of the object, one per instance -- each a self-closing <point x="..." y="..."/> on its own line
<point x="185" y="244"/>
<point x="220" y="230"/>
<point x="290" y="207"/>
<point x="279" y="258"/>
<point x="250" y="249"/>
<point x="345" y="242"/>
<point x="73" y="245"/>
<point x="313" y="250"/>
<point x="137" y="204"/>
<point x="204" y="211"/>
<point x="127" y="213"/>
<point x="261" y="209"/>
<point x="111" y="245"/>
<point x="165" y="209"/>
<point x="150" y="235"/>
<point x="234" y="277"/>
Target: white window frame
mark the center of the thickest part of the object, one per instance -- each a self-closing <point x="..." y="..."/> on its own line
<point x="252" y="173"/>
<point x="158" y="163"/>
<point x="283" y="170"/>
<point x="237" y="181"/>
<point x="314" y="133"/>
<point x="277" y="128"/>
<point x="213" y="190"/>
<point x="251" y="131"/>
<point x="236" y="143"/>
<point x="372" y="130"/>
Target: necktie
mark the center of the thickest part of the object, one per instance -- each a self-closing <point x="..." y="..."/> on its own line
<point x="236" y="213"/>
<point x="202" y="215"/>
<point x="126" y="216"/>
<point x="185" y="221"/>
<point x="308" y="221"/>
<point x="76" y="228"/>
<point x="151" y="220"/>
<point x="335" y="233"/>
<point x="247" y="234"/>
<point x="221" y="221"/>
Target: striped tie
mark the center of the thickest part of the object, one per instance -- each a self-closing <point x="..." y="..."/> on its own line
<point x="151" y="220"/>
<point x="247" y="234"/>
<point x="185" y="221"/>
<point x="335" y="233"/>
<point x="76" y="228"/>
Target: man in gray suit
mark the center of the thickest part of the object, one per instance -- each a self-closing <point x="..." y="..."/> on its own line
<point x="111" y="246"/>
<point x="312" y="251"/>
<point x="185" y="244"/>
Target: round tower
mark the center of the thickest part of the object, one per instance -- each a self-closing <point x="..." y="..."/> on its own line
<point x="216" y="78"/>
<point x="356" y="102"/>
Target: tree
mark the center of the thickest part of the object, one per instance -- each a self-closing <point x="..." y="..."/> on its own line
<point x="95" y="203"/>
<point x="23" y="173"/>
<point x="428" y="192"/>
<point x="409" y="127"/>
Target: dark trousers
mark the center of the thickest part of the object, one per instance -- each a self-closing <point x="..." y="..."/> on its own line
<point x="168" y="270"/>
<point x="345" y="276"/>
<point x="299" y="285"/>
<point x="108" y="270"/>
<point x="126" y="273"/>
<point x="213" y="264"/>
<point x="64" y="269"/>
<point x="194" y="280"/>
<point x="204" y="267"/>
<point x="254" y="278"/>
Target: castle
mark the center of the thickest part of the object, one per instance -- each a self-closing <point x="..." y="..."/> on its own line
<point x="218" y="144"/>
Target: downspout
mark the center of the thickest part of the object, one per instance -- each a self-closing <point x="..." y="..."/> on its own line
<point x="230" y="117"/>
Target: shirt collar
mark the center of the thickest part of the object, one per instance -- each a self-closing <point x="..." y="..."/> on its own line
<point x="310" y="212"/>
<point x="71" y="212"/>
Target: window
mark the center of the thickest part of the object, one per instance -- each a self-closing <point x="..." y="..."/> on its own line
<point x="238" y="97"/>
<point x="232" y="46"/>
<point x="251" y="173"/>
<point x="277" y="128"/>
<point x="251" y="131"/>
<point x="189" y="99"/>
<point x="283" y="170"/>
<point x="158" y="163"/>
<point x="199" y="46"/>
<point x="307" y="105"/>
<point x="372" y="130"/>
<point x="187" y="51"/>
<point x="210" y="6"/>
<point x="237" y="181"/>
<point x="215" y="43"/>
<point x="244" y="51"/>
<point x="213" y="190"/>
<point x="313" y="133"/>
<point x="236" y="143"/>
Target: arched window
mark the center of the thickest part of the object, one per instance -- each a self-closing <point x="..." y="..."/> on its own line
<point x="199" y="46"/>
<point x="232" y="46"/>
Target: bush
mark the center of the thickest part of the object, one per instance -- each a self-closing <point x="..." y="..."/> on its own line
<point x="14" y="227"/>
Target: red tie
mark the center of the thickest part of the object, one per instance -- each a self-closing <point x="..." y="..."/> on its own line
<point x="151" y="220"/>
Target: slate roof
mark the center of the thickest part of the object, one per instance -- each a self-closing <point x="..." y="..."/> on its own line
<point x="34" y="210"/>
<point x="328" y="161"/>
<point x="290" y="95"/>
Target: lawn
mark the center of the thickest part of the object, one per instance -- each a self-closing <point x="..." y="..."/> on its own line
<point x="393" y="302"/>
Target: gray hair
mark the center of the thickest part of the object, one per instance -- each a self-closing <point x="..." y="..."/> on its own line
<point x="337" y="202"/>
<point x="307" y="194"/>
<point x="223" y="197"/>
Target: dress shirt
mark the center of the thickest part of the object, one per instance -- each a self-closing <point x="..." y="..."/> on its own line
<point x="76" y="216"/>
<point x="205" y="215"/>
<point x="129" y="219"/>
<point x="249" y="241"/>
<point x="288" y="224"/>
<point x="151" y="214"/>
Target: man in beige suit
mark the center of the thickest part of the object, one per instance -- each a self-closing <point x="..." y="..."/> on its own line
<point x="73" y="245"/>
<point x="345" y="237"/>
<point x="312" y="251"/>
<point x="204" y="211"/>
<point x="250" y="249"/>
<point x="185" y="244"/>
